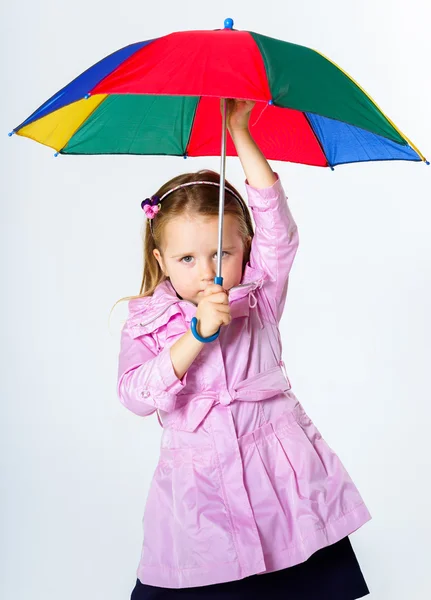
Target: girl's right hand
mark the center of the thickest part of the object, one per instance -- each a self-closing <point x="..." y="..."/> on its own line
<point x="213" y="310"/>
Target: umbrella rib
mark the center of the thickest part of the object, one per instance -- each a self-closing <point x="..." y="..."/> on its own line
<point x="317" y="140"/>
<point x="84" y="121"/>
<point x="191" y="126"/>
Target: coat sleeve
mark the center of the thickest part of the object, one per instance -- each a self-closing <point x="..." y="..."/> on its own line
<point x="146" y="379"/>
<point x="274" y="244"/>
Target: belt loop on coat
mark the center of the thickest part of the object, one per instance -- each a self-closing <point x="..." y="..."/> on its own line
<point x="283" y="366"/>
<point x="254" y="306"/>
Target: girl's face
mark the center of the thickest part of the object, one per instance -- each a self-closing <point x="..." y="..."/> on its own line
<point x="190" y="254"/>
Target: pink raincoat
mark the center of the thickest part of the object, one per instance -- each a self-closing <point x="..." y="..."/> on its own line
<point x="245" y="483"/>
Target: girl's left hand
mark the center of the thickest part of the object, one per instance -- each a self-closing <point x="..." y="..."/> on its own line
<point x="237" y="113"/>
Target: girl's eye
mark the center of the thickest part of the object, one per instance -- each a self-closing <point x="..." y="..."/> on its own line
<point x="188" y="262"/>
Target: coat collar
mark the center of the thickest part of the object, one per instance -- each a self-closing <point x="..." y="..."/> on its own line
<point x="149" y="313"/>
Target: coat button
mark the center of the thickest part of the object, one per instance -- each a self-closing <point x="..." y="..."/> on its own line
<point x="145" y="393"/>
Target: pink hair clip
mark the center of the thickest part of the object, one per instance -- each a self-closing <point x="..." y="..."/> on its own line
<point x="151" y="206"/>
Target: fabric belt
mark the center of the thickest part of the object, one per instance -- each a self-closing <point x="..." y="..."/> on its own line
<point x="195" y="407"/>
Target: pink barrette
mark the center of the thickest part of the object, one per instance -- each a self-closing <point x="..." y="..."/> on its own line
<point x="151" y="206"/>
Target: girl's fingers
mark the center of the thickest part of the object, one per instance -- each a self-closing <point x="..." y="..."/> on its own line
<point x="223" y="308"/>
<point x="219" y="298"/>
<point x="213" y="289"/>
<point x="227" y="319"/>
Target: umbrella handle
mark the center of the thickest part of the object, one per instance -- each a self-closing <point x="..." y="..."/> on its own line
<point x="194" y="322"/>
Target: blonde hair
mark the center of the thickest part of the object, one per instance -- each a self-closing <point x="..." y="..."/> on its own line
<point x="200" y="200"/>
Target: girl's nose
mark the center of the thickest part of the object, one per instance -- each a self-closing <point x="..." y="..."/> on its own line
<point x="208" y="272"/>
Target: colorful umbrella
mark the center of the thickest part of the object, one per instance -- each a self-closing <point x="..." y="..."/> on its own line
<point x="162" y="97"/>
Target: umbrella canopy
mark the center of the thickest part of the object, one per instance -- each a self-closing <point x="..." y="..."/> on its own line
<point x="162" y="97"/>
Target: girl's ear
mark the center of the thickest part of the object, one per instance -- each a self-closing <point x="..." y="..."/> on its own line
<point x="159" y="259"/>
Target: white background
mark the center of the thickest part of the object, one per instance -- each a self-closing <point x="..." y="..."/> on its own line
<point x="75" y="464"/>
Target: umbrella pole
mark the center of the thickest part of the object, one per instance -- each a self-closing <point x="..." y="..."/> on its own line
<point x="219" y="278"/>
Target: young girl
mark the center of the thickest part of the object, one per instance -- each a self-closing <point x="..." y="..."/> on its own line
<point x="247" y="497"/>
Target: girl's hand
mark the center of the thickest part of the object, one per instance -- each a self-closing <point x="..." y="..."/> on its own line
<point x="213" y="310"/>
<point x="237" y="113"/>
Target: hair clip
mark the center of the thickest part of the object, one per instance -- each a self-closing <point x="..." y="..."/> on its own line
<point x="151" y="206"/>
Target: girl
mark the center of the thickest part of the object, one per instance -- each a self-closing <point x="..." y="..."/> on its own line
<point x="247" y="497"/>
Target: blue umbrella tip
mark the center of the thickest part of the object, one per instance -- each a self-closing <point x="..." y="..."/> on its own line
<point x="427" y="162"/>
<point x="87" y="96"/>
<point x="270" y="102"/>
<point x="185" y="156"/>
<point x="56" y="154"/>
<point x="228" y="23"/>
<point x="10" y="134"/>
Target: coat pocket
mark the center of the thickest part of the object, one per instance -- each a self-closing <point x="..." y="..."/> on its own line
<point x="185" y="520"/>
<point x="305" y="448"/>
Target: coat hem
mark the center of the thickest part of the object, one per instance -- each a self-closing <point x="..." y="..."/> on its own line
<point x="333" y="532"/>
<point x="164" y="576"/>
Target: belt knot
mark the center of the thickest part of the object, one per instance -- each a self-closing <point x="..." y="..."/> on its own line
<point x="225" y="397"/>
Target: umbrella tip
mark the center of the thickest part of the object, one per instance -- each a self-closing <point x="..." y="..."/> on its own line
<point x="10" y="134"/>
<point x="228" y="23"/>
<point x="427" y="162"/>
<point x="56" y="154"/>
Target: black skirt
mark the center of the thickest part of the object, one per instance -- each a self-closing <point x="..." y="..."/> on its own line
<point x="331" y="573"/>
